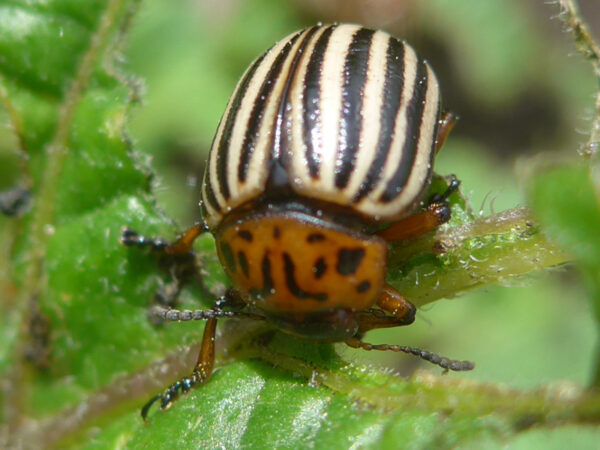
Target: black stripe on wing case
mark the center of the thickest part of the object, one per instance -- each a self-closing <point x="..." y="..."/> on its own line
<point x="414" y="121"/>
<point x="355" y="77"/>
<point x="260" y="103"/>
<point x="210" y="194"/>
<point x="392" y="96"/>
<point x="223" y="148"/>
<point x="283" y="122"/>
<point x="311" y="102"/>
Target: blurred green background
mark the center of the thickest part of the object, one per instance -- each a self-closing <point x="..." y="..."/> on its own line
<point x="507" y="68"/>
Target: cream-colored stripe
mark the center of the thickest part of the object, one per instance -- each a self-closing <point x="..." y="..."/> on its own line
<point x="258" y="164"/>
<point x="299" y="165"/>
<point x="332" y="83"/>
<point x="400" y="131"/>
<point x="213" y="155"/>
<point x="211" y="169"/>
<point x="421" y="166"/>
<point x="212" y="213"/>
<point x="373" y="99"/>
<point x="239" y="129"/>
<point x="420" y="169"/>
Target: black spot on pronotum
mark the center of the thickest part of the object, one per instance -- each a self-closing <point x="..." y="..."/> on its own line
<point x="243" y="262"/>
<point x="349" y="259"/>
<point x="228" y="256"/>
<point x="266" y="271"/>
<point x="245" y="235"/>
<point x="315" y="237"/>
<point x="363" y="287"/>
<point x="319" y="268"/>
<point x="290" y="281"/>
<point x="267" y="288"/>
<point x="276" y="232"/>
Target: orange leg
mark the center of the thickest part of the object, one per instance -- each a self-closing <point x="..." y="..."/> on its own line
<point x="177" y="259"/>
<point x="186" y="240"/>
<point x="394" y="303"/>
<point x="399" y="312"/>
<point x="200" y="375"/>
<point x="446" y="123"/>
<point x="437" y="213"/>
<point x="206" y="358"/>
<point x="181" y="246"/>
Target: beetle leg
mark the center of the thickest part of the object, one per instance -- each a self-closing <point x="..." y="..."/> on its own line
<point x="184" y="243"/>
<point x="204" y="366"/>
<point x="176" y="258"/>
<point x="200" y="375"/>
<point x="400" y="312"/>
<point x="445" y="125"/>
<point x="181" y="246"/>
<point x="437" y="213"/>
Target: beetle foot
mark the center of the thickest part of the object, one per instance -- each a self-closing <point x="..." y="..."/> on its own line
<point x="438" y="203"/>
<point x="173" y="392"/>
<point x="131" y="238"/>
<point x="443" y="198"/>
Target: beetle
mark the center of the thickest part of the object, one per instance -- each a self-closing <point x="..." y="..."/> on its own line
<point x="323" y="156"/>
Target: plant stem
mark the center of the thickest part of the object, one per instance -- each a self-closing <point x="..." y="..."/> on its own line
<point x="494" y="249"/>
<point x="547" y="406"/>
<point x="590" y="49"/>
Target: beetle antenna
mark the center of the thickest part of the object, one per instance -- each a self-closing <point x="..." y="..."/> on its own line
<point x="185" y="315"/>
<point x="443" y="362"/>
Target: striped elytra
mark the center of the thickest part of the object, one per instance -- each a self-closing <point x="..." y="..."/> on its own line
<point x="337" y="113"/>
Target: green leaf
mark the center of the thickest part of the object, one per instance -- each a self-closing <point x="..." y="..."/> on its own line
<point x="68" y="104"/>
<point x="567" y="201"/>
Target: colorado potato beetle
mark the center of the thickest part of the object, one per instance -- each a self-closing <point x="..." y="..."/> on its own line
<point x="322" y="157"/>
